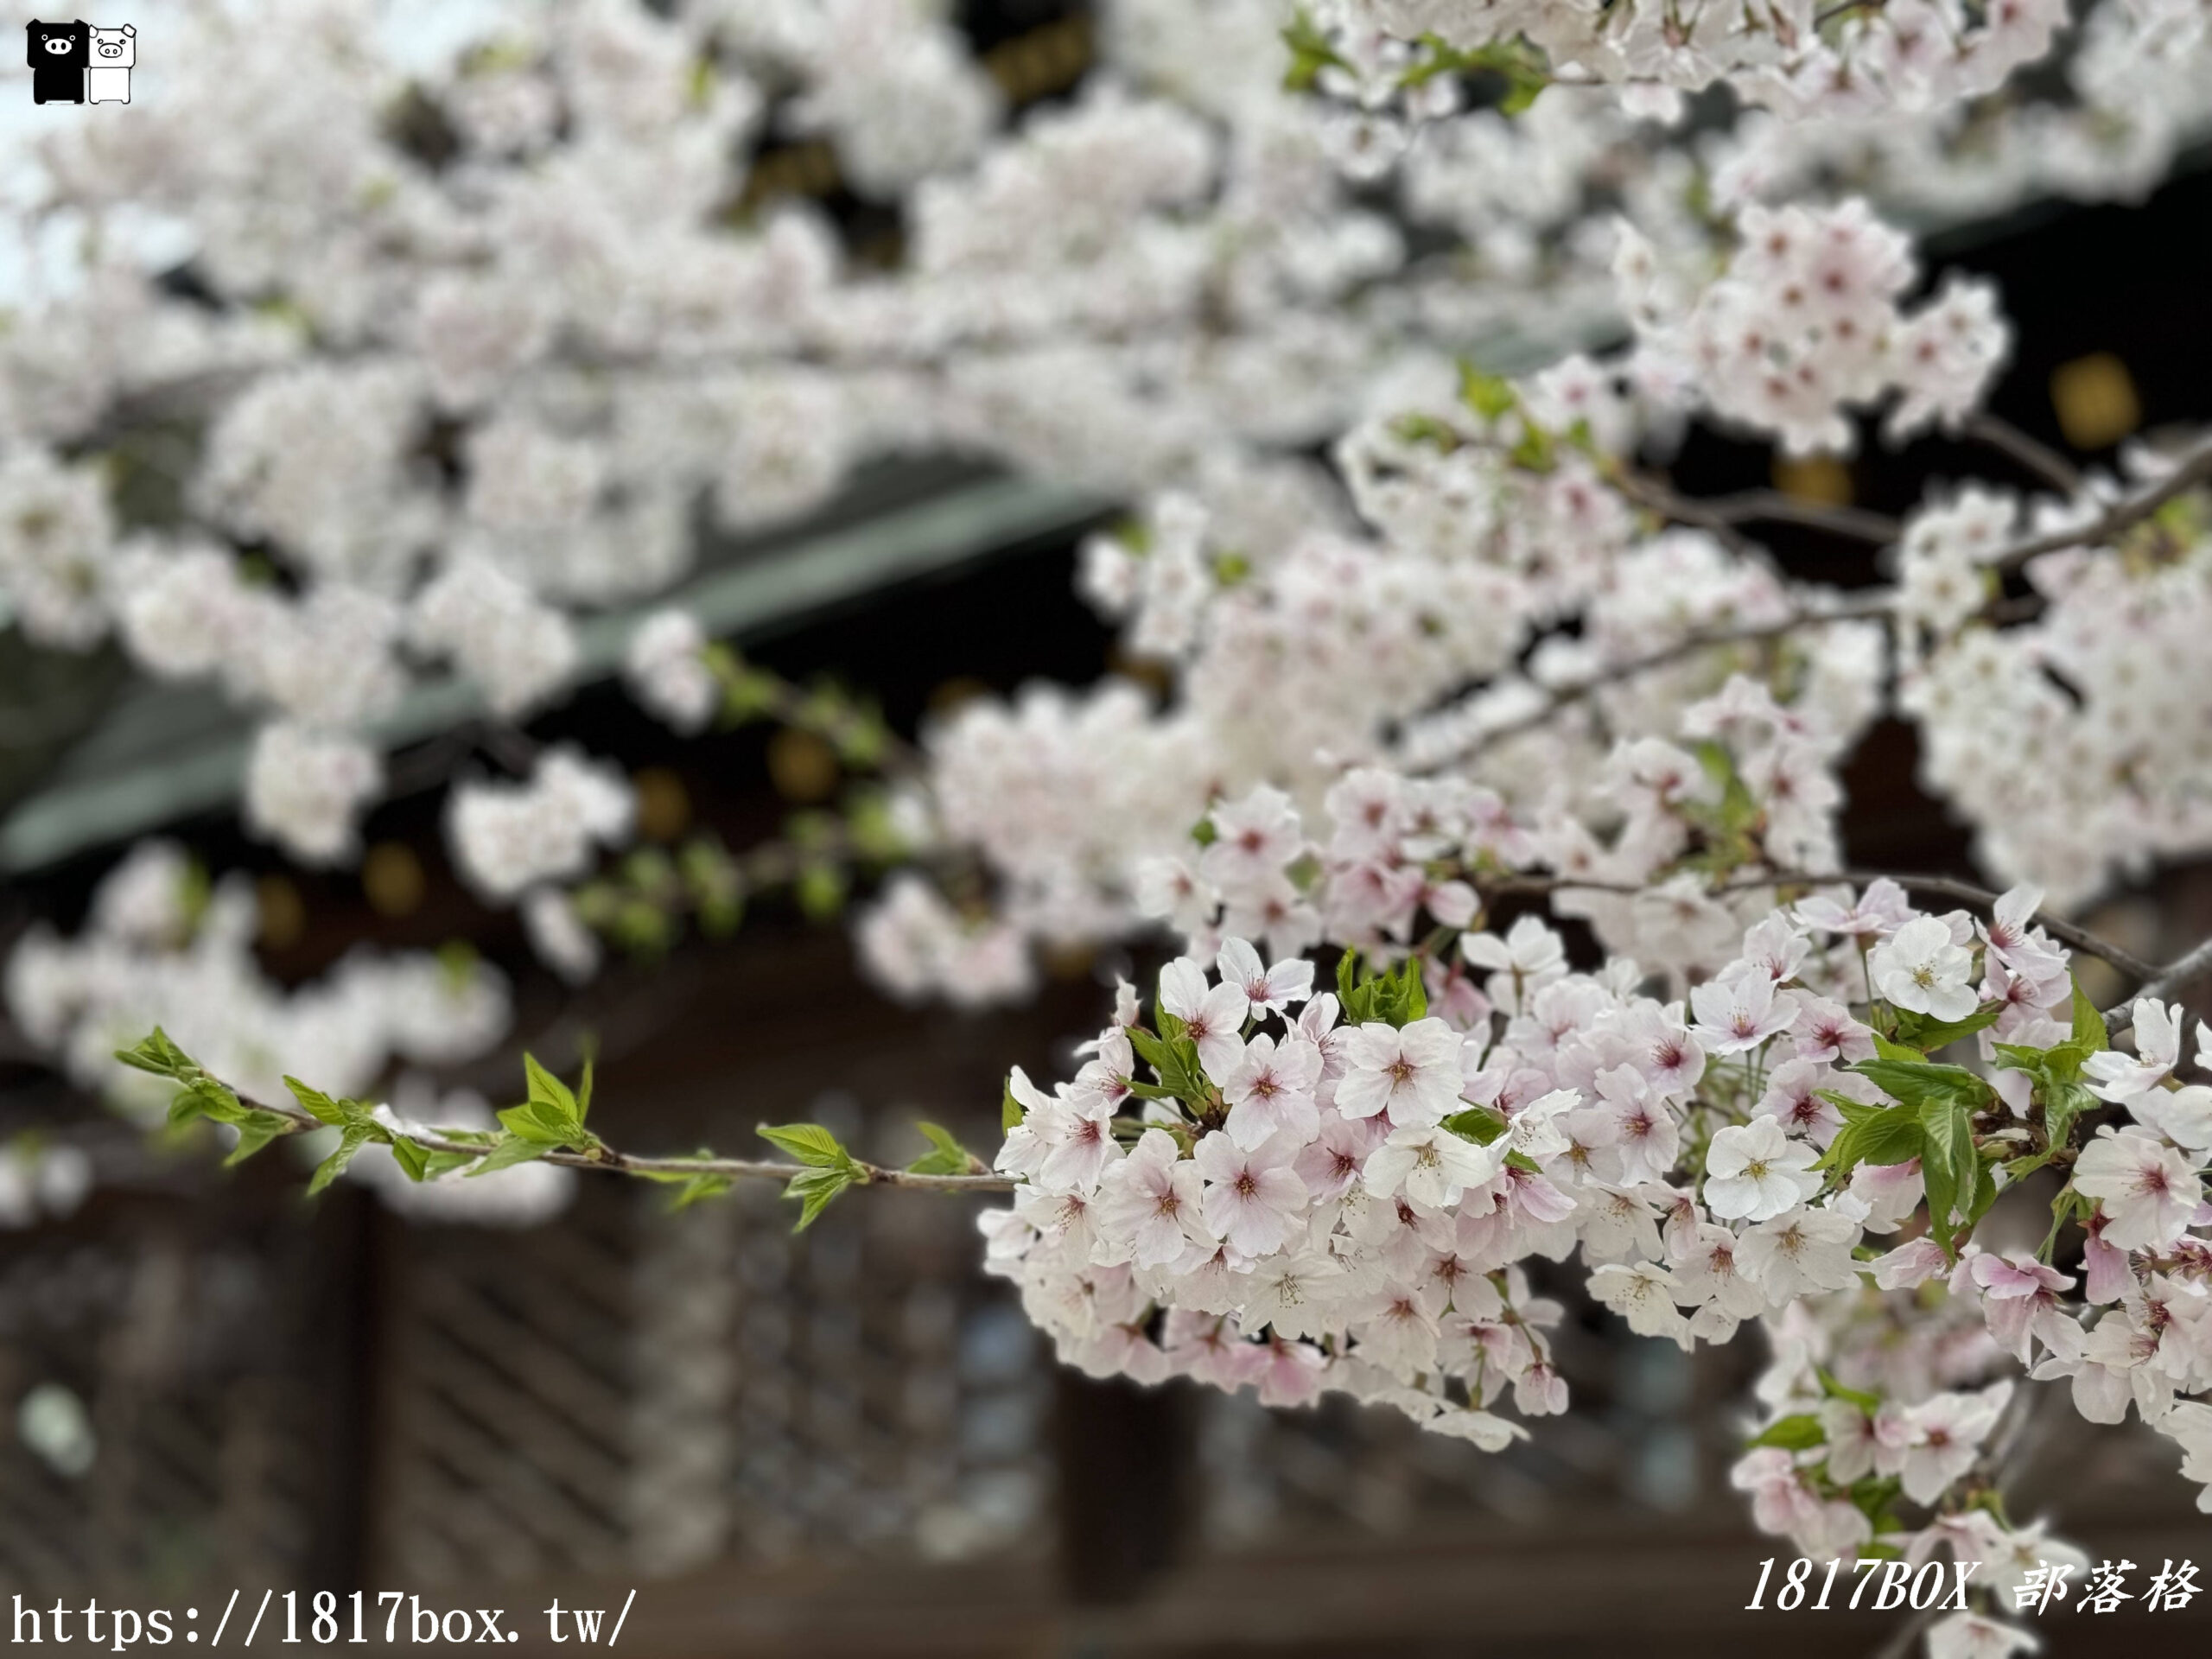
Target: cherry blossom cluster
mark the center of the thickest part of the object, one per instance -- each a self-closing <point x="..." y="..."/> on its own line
<point x="1788" y="55"/>
<point x="385" y="399"/>
<point x="162" y="944"/>
<point x="1489" y="511"/>
<point x="1271" y="1183"/>
<point x="510" y="838"/>
<point x="2109" y="679"/>
<point x="375" y="372"/>
<point x="1806" y="327"/>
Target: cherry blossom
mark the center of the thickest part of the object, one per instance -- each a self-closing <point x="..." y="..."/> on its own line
<point x="1251" y="1197"/>
<point x="1413" y="1074"/>
<point x="2150" y="1192"/>
<point x="1755" y="1173"/>
<point x="1921" y="968"/>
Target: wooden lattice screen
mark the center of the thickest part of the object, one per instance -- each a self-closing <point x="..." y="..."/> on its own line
<point x="630" y="1388"/>
<point x="187" y="1353"/>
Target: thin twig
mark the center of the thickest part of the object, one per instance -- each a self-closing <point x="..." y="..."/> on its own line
<point x="300" y="1121"/>
<point x="2162" y="981"/>
<point x="2193" y="466"/>
<point x="1721" y="514"/>
<point x="1850" y="609"/>
<point x="1950" y="887"/>
<point x="2037" y="456"/>
<point x="1775" y="507"/>
<point x="2064" y="932"/>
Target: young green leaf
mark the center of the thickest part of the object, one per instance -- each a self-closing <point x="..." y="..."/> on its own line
<point x="411" y="1156"/>
<point x="1488" y="395"/>
<point x="815" y="1188"/>
<point x="2062" y="1104"/>
<point x="809" y="1143"/>
<point x="548" y="1091"/>
<point x="321" y="1107"/>
<point x="1949" y="1166"/>
<point x="331" y="1168"/>
<point x="542" y="1124"/>
<point x="2090" y="1031"/>
<point x="946" y="1155"/>
<point x="1928" y="1034"/>
<point x="1870" y="1134"/>
<point x="1794" y="1433"/>
<point x="1478" y="1123"/>
<point x="508" y="1152"/>
<point x="158" y="1055"/>
<point x="258" y="1129"/>
<point x="698" y="1190"/>
<point x="1866" y="1402"/>
<point x="1916" y="1082"/>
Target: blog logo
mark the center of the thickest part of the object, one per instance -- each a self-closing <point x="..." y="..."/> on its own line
<point x="80" y="62"/>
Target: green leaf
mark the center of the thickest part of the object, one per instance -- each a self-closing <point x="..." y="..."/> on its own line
<point x="2064" y="1207"/>
<point x="2090" y="1031"/>
<point x="540" y="1122"/>
<point x="815" y="1188"/>
<point x="435" y="1164"/>
<point x="1866" y="1402"/>
<point x="548" y="1091"/>
<point x="1916" y="1082"/>
<point x="321" y="1107"/>
<point x="331" y="1167"/>
<point x="507" y="1153"/>
<point x="1413" y="994"/>
<point x="1488" y="395"/>
<point x="1870" y="1134"/>
<point x="1176" y="1060"/>
<point x="697" y="1190"/>
<point x="1010" y="1109"/>
<point x="158" y="1055"/>
<point x="1478" y="1123"/>
<point x="2063" y="1104"/>
<point x="1928" y="1034"/>
<point x="1310" y="53"/>
<point x="1875" y="1497"/>
<point x="1949" y="1166"/>
<point x="1985" y="1191"/>
<point x="809" y="1143"/>
<point x="1794" y="1433"/>
<point x="1886" y="1050"/>
<point x="946" y="1157"/>
<point x="1351" y="1000"/>
<point x="205" y="1097"/>
<point x="258" y="1129"/>
<point x="411" y="1156"/>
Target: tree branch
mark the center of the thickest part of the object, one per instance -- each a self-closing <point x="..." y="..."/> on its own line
<point x="2039" y="458"/>
<point x="1950" y="887"/>
<point x="1774" y="507"/>
<point x="1721" y="514"/>
<point x="2193" y="466"/>
<point x="2162" y="981"/>
<point x="1850" y="609"/>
